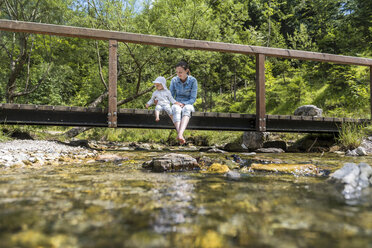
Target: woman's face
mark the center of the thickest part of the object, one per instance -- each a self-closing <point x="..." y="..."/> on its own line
<point x="181" y="73"/>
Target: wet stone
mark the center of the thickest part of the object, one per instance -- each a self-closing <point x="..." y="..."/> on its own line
<point x="270" y="150"/>
<point x="355" y="178"/>
<point x="172" y="162"/>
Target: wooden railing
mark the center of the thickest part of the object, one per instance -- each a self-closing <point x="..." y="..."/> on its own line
<point x="113" y="37"/>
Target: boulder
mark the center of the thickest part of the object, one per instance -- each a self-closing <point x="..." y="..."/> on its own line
<point x="234" y="147"/>
<point x="308" y="110"/>
<point x="172" y="162"/>
<point x="253" y="140"/>
<point x="354" y="178"/>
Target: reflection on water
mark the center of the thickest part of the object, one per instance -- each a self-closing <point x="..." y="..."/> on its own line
<point x="108" y="205"/>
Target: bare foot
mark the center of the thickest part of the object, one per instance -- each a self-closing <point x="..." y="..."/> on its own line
<point x="181" y="140"/>
<point x="157" y="119"/>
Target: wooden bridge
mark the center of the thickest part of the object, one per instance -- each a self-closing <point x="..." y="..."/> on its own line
<point x="139" y="118"/>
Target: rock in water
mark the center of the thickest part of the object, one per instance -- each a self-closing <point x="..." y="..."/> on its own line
<point x="354" y="177"/>
<point x="172" y="162"/>
<point x="287" y="168"/>
<point x="218" y="168"/>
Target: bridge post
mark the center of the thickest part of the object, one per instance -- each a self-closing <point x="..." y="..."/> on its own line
<point x="112" y="97"/>
<point x="260" y="93"/>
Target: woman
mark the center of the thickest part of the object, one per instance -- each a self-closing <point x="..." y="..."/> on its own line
<point x="184" y="89"/>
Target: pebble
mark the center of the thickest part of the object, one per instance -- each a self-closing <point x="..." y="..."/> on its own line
<point x="21" y="152"/>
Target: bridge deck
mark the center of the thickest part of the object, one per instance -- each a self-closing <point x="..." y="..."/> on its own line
<point x="25" y="114"/>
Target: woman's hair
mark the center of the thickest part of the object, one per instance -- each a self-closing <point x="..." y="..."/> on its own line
<point x="184" y="65"/>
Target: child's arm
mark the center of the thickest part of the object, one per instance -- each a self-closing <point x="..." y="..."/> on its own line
<point x="151" y="101"/>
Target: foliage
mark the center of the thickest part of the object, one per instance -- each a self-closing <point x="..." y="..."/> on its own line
<point x="39" y="69"/>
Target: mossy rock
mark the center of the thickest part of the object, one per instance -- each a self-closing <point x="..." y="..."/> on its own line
<point x="218" y="168"/>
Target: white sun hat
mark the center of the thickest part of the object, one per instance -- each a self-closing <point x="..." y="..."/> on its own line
<point x="161" y="80"/>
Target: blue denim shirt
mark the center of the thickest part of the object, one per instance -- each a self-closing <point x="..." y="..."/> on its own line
<point x="184" y="92"/>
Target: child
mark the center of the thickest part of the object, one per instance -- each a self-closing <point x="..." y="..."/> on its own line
<point x="161" y="97"/>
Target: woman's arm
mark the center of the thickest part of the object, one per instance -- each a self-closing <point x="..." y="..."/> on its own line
<point x="194" y="92"/>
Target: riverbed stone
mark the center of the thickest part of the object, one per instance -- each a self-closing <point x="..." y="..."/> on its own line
<point x="298" y="169"/>
<point x="270" y="150"/>
<point x="172" y="162"/>
<point x="308" y="110"/>
<point x="215" y="150"/>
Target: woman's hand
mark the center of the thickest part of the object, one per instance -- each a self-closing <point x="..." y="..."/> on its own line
<point x="147" y="106"/>
<point x="180" y="104"/>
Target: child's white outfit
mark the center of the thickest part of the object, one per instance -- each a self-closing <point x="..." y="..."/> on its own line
<point x="163" y="96"/>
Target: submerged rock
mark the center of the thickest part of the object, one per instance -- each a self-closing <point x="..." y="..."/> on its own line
<point x="287" y="168"/>
<point x="172" y="162"/>
<point x="354" y="177"/>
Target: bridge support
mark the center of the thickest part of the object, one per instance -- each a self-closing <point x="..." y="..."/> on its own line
<point x="113" y="77"/>
<point x="260" y="93"/>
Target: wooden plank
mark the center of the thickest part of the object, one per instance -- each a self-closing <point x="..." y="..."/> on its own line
<point x="197" y="113"/>
<point x="89" y="33"/>
<point x="260" y="94"/>
<point x="329" y="119"/>
<point x="113" y="77"/>
<point x="296" y="117"/>
<point x="235" y="115"/>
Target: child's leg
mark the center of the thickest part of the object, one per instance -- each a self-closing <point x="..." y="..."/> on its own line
<point x="158" y="108"/>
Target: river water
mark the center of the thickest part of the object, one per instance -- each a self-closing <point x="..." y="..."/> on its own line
<point x="123" y="205"/>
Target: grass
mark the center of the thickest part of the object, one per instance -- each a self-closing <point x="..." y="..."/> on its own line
<point x="351" y="135"/>
<point x="163" y="136"/>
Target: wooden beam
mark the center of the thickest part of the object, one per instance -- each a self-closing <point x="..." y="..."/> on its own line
<point x="112" y="98"/>
<point x="89" y="33"/>
<point x="260" y="93"/>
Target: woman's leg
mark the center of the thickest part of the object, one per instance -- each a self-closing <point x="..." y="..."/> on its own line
<point x="182" y="128"/>
<point x="176" y="111"/>
<point x="186" y="115"/>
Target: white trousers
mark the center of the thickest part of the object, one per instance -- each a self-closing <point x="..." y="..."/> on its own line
<point x="166" y="108"/>
<point x="179" y="112"/>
